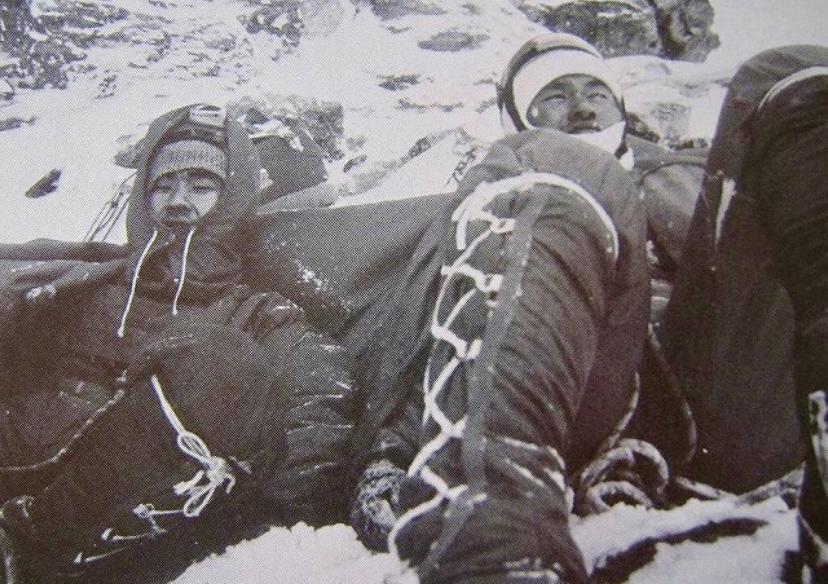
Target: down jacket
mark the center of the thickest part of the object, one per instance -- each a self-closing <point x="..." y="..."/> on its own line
<point x="69" y="358"/>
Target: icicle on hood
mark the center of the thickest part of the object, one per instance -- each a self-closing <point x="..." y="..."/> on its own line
<point x="217" y="249"/>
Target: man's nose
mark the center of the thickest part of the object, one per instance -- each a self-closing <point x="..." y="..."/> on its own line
<point x="581" y="109"/>
<point x="178" y="196"/>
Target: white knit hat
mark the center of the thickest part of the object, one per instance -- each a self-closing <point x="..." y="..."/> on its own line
<point x="546" y="58"/>
<point x="187" y="155"/>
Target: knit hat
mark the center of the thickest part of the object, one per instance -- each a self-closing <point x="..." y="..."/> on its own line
<point x="539" y="62"/>
<point x="187" y="155"/>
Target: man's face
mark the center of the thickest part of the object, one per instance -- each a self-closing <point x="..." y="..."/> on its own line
<point x="182" y="198"/>
<point x="575" y="104"/>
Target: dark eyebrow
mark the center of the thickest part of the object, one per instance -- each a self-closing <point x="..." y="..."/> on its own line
<point x="593" y="83"/>
<point x="201" y="173"/>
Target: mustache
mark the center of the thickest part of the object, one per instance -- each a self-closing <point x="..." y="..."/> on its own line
<point x="588" y="125"/>
<point x="176" y="213"/>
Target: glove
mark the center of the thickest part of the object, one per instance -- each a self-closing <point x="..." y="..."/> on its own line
<point x="202" y="332"/>
<point x="184" y="353"/>
<point x="376" y="503"/>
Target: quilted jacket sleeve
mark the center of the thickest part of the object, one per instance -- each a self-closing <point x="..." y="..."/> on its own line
<point x="319" y="394"/>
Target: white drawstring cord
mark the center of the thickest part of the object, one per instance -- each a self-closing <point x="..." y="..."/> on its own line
<point x="134" y="285"/>
<point x="183" y="270"/>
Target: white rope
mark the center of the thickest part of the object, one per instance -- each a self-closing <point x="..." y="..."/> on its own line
<point x="134" y="284"/>
<point x="216" y="471"/>
<point x="486" y="283"/>
<point x="472" y="207"/>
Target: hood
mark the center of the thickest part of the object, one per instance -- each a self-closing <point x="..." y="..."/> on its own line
<point x="215" y="253"/>
<point x="749" y="86"/>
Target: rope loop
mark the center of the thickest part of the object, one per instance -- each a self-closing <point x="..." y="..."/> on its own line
<point x="216" y="472"/>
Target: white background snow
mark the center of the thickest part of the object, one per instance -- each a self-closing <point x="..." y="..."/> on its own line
<point x="342" y="57"/>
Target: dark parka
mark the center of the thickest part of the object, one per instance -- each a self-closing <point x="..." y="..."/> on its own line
<point x="729" y="331"/>
<point x="243" y="370"/>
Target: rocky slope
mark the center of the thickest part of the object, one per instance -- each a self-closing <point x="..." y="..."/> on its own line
<point x="400" y="96"/>
<point x="377" y="82"/>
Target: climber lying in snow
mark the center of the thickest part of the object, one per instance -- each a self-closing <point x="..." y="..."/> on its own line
<point x="156" y="387"/>
<point x="537" y="331"/>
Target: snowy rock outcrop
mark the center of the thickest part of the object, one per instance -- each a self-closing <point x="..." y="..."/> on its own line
<point x="675" y="29"/>
<point x="382" y="86"/>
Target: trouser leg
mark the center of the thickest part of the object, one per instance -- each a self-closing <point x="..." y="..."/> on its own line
<point x="137" y="477"/>
<point x="516" y="328"/>
<point x="792" y="195"/>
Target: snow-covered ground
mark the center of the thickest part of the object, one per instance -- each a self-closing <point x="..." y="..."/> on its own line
<point x="344" y="55"/>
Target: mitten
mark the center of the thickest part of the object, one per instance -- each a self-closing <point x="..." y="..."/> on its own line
<point x="376" y="503"/>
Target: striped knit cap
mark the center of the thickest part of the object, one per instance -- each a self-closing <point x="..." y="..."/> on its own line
<point x="187" y="155"/>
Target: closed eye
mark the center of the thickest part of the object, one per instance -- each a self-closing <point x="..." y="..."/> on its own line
<point x="205" y="186"/>
<point x="162" y="187"/>
<point x="554" y="97"/>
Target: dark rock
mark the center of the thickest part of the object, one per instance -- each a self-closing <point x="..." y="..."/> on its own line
<point x="638" y="127"/>
<point x="453" y="40"/>
<point x="14" y="123"/>
<point x="44" y="185"/>
<point x="684" y="26"/>
<point x="44" y="64"/>
<point x="693" y="144"/>
<point x="398" y="82"/>
<point x="15" y="22"/>
<point x="354" y="162"/>
<point x="325" y="122"/>
<point x="673" y="120"/>
<point x="6" y="89"/>
<point x="407" y="104"/>
<point x="675" y="29"/>
<point x="282" y="18"/>
<point x="127" y="156"/>
<point x="615" y="27"/>
<point x="149" y="41"/>
<point x="391" y="9"/>
<point x="62" y="14"/>
<point x="472" y="9"/>
<point x="224" y="44"/>
<point x="255" y="117"/>
<point x="107" y="86"/>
